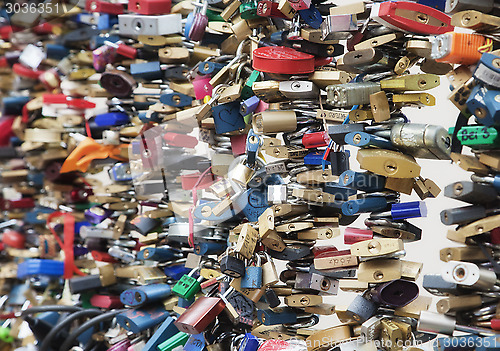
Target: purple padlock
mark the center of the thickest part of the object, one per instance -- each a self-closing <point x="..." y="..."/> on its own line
<point x="120" y="346"/>
<point x="102" y="56"/>
<point x="396" y="293"/>
<point x="200" y="23"/>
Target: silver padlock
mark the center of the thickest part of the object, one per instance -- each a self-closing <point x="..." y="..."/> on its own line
<point x="299" y="89"/>
<point x="470" y="274"/>
<point x="350" y="94"/>
<point x="277" y="194"/>
<point x="324" y="284"/>
<point x="421" y="140"/>
<point x="132" y="24"/>
<point x="371" y="328"/>
<point x="361" y="309"/>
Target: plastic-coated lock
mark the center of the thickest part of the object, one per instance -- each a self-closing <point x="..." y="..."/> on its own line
<point x="479" y="137"/>
<point x="340" y="192"/>
<point x="176" y="99"/>
<point x="485" y="105"/>
<point x="40" y="267"/>
<point x="278" y="316"/>
<point x="316" y="139"/>
<point x="249" y="105"/>
<point x="227" y="117"/>
<point x="407" y="17"/>
<point x="406" y="210"/>
<point x="354" y="235"/>
<point x="232" y="266"/>
<point x="367" y="204"/>
<point x="118" y="83"/>
<point x="209" y="248"/>
<point x="339" y="161"/>
<point x="471" y="192"/>
<point x="397" y="293"/>
<point x="362" y="139"/>
<point x="144" y="224"/>
<point x="361" y="309"/>
<point x="157" y="254"/>
<point x="150" y="7"/>
<point x="367" y="182"/>
<point x="209" y="67"/>
<point x="311" y="16"/>
<point x="140" y="319"/>
<point x="187" y="287"/>
<point x="282" y="60"/>
<point x="179" y="339"/>
<point x="253" y="276"/>
<point x="111" y="119"/>
<point x="487" y="70"/>
<point x="462" y="214"/>
<point x="200" y="314"/>
<point x="164" y="332"/>
<point x="145" y="294"/>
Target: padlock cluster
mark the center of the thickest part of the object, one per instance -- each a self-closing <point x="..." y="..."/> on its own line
<point x="467" y="284"/>
<point x="174" y="175"/>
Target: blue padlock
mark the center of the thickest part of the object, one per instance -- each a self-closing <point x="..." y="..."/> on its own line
<point x="120" y="172"/>
<point x="311" y="16"/>
<point x="404" y="210"/>
<point x="249" y="343"/>
<point x="112" y="119"/>
<point x="147" y="70"/>
<point x="486" y="72"/>
<point x="13" y="105"/>
<point x="437" y="4"/>
<point x="165" y="331"/>
<point x="37" y="266"/>
<point x="315" y="158"/>
<point x="227" y="117"/>
<point x="209" y="248"/>
<point x="252" y="147"/>
<point x="252" y="203"/>
<point x="368" y="204"/>
<point x="253" y="275"/>
<point x="176" y="271"/>
<point x="57" y="52"/>
<point x="363" y="139"/>
<point x="176" y="99"/>
<point x="140" y="319"/>
<point x="277" y="316"/>
<point x="367" y="182"/>
<point x="209" y="67"/>
<point x="341" y="192"/>
<point x="145" y="294"/>
<point x="196" y="342"/>
<point x="483" y="104"/>
<point x="158" y="254"/>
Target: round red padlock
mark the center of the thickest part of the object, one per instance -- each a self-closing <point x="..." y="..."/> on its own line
<point x="274" y="345"/>
<point x="282" y="60"/>
<point x="14" y="239"/>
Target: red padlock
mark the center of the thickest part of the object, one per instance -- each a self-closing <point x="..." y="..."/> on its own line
<point x="200" y="314"/>
<point x="411" y="17"/>
<point x="103" y="257"/>
<point x="25" y="202"/>
<point x="319" y="250"/>
<point x="26" y="72"/>
<point x="300" y="4"/>
<point x="354" y="235"/>
<point x="106" y="301"/>
<point x="189" y="181"/>
<point x="238" y="144"/>
<point x="180" y="140"/>
<point x="104" y="7"/>
<point x="268" y="8"/>
<point x="150" y="7"/>
<point x="14" y="239"/>
<point x="282" y="60"/>
<point x="316" y="139"/>
<point x="495" y="236"/>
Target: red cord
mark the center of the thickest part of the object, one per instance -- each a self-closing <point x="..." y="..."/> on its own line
<point x="67" y="246"/>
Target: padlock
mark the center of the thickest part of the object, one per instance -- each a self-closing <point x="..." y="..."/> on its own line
<point x="247" y="241"/>
<point x="187" y="287"/>
<point x="200" y="314"/>
<point x="145" y="294"/>
<point x="253" y="274"/>
<point x="346" y="95"/>
<point x="396" y="293"/>
<point x="469" y="274"/>
<point x="277" y="316"/>
<point x="232" y="266"/>
<point x="269" y="272"/>
<point x="361" y="309"/>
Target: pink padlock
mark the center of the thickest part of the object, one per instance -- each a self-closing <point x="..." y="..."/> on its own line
<point x="238" y="144"/>
<point x="354" y="235"/>
<point x="261" y="107"/>
<point x="202" y="87"/>
<point x="180" y="140"/>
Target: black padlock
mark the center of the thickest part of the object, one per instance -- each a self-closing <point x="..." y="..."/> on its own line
<point x="232" y="266"/>
<point x="339" y="162"/>
<point x="272" y="298"/>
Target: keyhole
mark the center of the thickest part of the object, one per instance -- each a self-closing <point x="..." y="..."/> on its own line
<point x="458" y="188"/>
<point x="378" y="275"/>
<point x="357" y="138"/>
<point x="391" y="167"/>
<point x="304" y="300"/>
<point x="422" y="17"/>
<point x="374" y="247"/>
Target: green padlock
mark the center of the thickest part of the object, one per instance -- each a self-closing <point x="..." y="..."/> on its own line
<point x="479" y="137"/>
<point x="248" y="10"/>
<point x="179" y="339"/>
<point x="187" y="286"/>
<point x="5" y="335"/>
<point x="214" y="16"/>
<point x="247" y="91"/>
